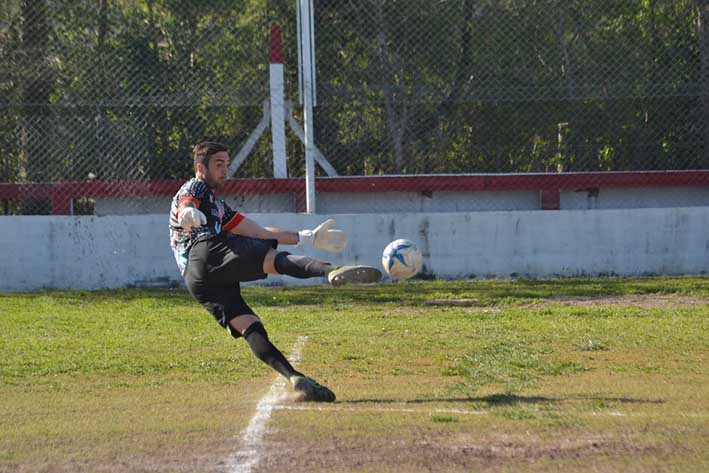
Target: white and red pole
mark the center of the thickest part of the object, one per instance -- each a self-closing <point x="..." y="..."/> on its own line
<point x="278" y="113"/>
<point x="307" y="72"/>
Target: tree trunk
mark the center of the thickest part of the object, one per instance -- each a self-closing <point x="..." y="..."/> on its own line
<point x="703" y="35"/>
<point x="575" y="121"/>
<point x="396" y="119"/>
<point x="101" y="133"/>
<point x="447" y="106"/>
<point x="35" y="99"/>
<point x="644" y="152"/>
<point x="159" y="121"/>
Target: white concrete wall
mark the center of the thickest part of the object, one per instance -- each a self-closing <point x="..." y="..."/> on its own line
<point x="122" y="251"/>
<point x="638" y="198"/>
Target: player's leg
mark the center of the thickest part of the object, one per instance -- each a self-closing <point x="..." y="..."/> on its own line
<point x="301" y="266"/>
<point x="248" y="259"/>
<point x="297" y="266"/>
<point x="250" y="327"/>
<point x="212" y="278"/>
<point x="253" y="331"/>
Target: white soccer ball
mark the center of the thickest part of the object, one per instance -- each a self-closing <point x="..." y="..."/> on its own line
<point x="401" y="259"/>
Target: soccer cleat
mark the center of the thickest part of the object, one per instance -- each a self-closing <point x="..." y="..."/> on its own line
<point x="311" y="390"/>
<point x="353" y="275"/>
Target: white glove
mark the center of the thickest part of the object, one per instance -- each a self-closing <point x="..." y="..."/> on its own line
<point x="324" y="237"/>
<point x="191" y="217"/>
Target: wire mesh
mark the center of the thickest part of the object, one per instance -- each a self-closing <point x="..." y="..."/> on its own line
<point x="510" y="86"/>
<point x="113" y="91"/>
<point x="473" y="104"/>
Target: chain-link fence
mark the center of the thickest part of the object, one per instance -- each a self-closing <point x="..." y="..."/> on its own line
<point x="491" y="102"/>
<point x="117" y="92"/>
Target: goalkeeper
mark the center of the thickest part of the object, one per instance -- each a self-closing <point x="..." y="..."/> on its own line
<point x="216" y="248"/>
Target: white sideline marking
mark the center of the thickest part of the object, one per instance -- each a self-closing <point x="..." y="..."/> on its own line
<point x="248" y="455"/>
<point x="459" y="411"/>
<point x="379" y="409"/>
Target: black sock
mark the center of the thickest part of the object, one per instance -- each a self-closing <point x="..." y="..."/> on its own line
<point x="257" y="338"/>
<point x="300" y="266"/>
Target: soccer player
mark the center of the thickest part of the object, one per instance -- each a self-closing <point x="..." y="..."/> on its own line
<point x="216" y="248"/>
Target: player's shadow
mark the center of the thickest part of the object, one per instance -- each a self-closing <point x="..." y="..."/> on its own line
<point x="495" y="399"/>
<point x="505" y="399"/>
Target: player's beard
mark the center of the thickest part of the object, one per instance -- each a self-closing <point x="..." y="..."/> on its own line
<point x="215" y="183"/>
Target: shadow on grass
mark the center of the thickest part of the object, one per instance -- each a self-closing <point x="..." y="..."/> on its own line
<point x="114" y="295"/>
<point x="467" y="293"/>
<point x="495" y="399"/>
<point x="475" y="293"/>
<point x="506" y="399"/>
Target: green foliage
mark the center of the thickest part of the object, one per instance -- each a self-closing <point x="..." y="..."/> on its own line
<point x="510" y="86"/>
<point x="121" y="90"/>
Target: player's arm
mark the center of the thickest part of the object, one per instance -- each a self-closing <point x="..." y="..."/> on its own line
<point x="249" y="228"/>
<point x="323" y="236"/>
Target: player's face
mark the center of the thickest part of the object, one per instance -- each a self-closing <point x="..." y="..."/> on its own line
<point x="218" y="170"/>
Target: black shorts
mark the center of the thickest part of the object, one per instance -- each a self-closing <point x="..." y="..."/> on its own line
<point x="215" y="268"/>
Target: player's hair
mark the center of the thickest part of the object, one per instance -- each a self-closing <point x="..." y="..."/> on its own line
<point x="202" y="152"/>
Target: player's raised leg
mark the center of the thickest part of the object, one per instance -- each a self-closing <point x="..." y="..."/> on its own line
<point x="359" y="274"/>
<point x="301" y="266"/>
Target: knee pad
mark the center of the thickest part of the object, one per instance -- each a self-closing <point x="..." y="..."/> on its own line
<point x="278" y="261"/>
<point x="256" y="327"/>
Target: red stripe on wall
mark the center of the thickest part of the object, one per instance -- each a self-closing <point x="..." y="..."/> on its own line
<point x="62" y="193"/>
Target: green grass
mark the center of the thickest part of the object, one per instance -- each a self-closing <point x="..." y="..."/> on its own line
<point x="449" y="375"/>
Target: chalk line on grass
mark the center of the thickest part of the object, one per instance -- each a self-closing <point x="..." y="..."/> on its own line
<point x="377" y="409"/>
<point x="249" y="454"/>
<point x="408" y="410"/>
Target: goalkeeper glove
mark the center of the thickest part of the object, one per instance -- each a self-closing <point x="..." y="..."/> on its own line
<point x="324" y="237"/>
<point x="191" y="217"/>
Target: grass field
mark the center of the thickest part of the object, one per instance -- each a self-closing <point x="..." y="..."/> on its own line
<point x="572" y="375"/>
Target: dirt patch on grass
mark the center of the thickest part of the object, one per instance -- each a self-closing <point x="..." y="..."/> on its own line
<point x="647" y="301"/>
<point x="507" y="447"/>
<point x="204" y="452"/>
<point x="430" y="452"/>
<point x="633" y="300"/>
<point x="453" y="302"/>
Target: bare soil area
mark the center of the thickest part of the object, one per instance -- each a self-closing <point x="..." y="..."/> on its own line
<point x="424" y="451"/>
<point x="637" y="300"/>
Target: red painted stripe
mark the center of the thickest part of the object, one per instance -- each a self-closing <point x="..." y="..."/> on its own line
<point x="513" y="181"/>
<point x="276" y="49"/>
<point x="234" y="222"/>
<point x="61" y="193"/>
<point x="550" y="199"/>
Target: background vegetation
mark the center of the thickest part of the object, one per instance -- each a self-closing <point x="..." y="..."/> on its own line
<point x="119" y="90"/>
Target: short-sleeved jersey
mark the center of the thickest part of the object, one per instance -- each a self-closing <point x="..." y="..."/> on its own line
<point x="220" y="217"/>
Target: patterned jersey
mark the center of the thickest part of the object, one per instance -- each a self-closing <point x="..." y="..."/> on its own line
<point x="220" y="217"/>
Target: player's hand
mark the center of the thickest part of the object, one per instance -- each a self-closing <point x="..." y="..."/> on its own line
<point x="324" y="237"/>
<point x="191" y="217"/>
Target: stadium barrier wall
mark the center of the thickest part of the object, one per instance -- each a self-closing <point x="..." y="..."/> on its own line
<point x="87" y="253"/>
<point x="411" y="193"/>
<point x="436" y="201"/>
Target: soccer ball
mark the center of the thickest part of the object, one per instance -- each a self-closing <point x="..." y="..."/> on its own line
<point x="401" y="259"/>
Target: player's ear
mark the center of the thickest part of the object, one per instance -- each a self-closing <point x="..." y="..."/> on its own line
<point x="200" y="168"/>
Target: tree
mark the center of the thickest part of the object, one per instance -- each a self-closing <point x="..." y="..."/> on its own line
<point x="37" y="89"/>
<point x="703" y="40"/>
